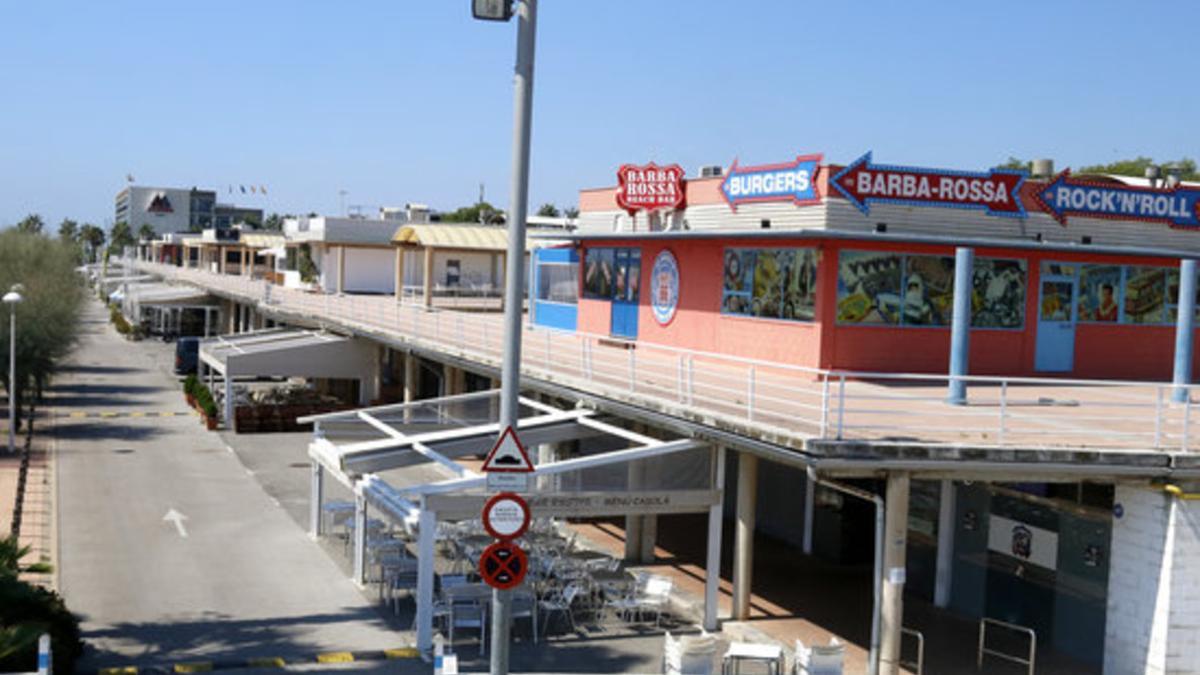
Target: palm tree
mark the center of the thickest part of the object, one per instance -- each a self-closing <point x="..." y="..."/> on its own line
<point x="146" y="232"/>
<point x="11" y="555"/>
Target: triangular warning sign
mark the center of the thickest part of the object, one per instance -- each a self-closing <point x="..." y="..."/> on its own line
<point x="508" y="455"/>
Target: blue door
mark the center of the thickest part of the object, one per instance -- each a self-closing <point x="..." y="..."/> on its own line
<point x="627" y="279"/>
<point x="1056" y="319"/>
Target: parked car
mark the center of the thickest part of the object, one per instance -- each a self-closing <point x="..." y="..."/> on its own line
<point x="187" y="355"/>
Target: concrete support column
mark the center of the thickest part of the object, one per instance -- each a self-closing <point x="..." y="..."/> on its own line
<point x="247" y="262"/>
<point x="810" y="494"/>
<point x="426" y="533"/>
<point x="547" y="453"/>
<point x="633" y="522"/>
<point x="229" y="402"/>
<point x="960" y="324"/>
<point x="712" y="560"/>
<point x="945" y="545"/>
<point x="894" y="566"/>
<point x="1185" y="329"/>
<point x="316" y="501"/>
<point x="1153" y="613"/>
<point x="450" y="380"/>
<point x="427" y="278"/>
<point x="341" y="272"/>
<point x="224" y="255"/>
<point x="743" y="551"/>
<point x="360" y="540"/>
<point x="410" y="382"/>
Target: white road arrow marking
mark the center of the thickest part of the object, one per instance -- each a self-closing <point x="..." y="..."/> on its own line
<point x="177" y="518"/>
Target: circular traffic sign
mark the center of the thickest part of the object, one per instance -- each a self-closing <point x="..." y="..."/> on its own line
<point x="502" y="565"/>
<point x="506" y="516"/>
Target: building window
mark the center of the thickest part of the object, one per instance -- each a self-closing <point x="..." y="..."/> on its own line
<point x="598" y="274"/>
<point x="558" y="282"/>
<point x="770" y="283"/>
<point x="896" y="289"/>
<point x="453" y="272"/>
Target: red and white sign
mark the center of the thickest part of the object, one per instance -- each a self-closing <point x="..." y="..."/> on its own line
<point x="506" y="516"/>
<point x="503" y="565"/>
<point x="508" y="455"/>
<point x="507" y="464"/>
<point x="650" y="187"/>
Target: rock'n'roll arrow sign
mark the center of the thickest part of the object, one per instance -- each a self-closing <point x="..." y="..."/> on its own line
<point x="177" y="518"/>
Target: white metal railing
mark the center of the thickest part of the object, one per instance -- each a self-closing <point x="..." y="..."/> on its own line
<point x="1027" y="660"/>
<point x="771" y="397"/>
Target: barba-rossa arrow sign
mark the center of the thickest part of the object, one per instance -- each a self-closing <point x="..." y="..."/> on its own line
<point x="794" y="181"/>
<point x="507" y="465"/>
<point x="996" y="192"/>
<point x="1065" y="196"/>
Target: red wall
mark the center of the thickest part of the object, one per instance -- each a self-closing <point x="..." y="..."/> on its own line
<point x="1101" y="351"/>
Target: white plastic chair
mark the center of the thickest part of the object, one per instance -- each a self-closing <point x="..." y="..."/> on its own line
<point x="560" y="601"/>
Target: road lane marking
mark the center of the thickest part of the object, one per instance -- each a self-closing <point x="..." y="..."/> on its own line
<point x="196" y="667"/>
<point x="335" y="657"/>
<point x="177" y="518"/>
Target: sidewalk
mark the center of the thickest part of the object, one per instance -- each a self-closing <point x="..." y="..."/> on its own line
<point x="37" y="517"/>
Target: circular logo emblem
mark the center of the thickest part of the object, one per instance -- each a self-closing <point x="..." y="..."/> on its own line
<point x="664" y="287"/>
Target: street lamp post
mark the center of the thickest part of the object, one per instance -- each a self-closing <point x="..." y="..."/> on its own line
<point x="12" y="299"/>
<point x="526" y="13"/>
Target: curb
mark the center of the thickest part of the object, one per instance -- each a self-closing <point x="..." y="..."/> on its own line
<point x="264" y="662"/>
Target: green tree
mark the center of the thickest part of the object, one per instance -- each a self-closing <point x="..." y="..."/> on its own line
<point x="481" y="212"/>
<point x="274" y="223"/>
<point x="68" y="230"/>
<point x="1138" y="165"/>
<point x="120" y="236"/>
<point x="548" y="210"/>
<point x="146" y="232"/>
<point x="571" y="212"/>
<point x="47" y="317"/>
<point x="1017" y="164"/>
<point x="92" y="239"/>
<point x="27" y="611"/>
<point x="32" y="224"/>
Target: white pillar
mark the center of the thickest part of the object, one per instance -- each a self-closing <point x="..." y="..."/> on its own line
<point x="1153" y="603"/>
<point x="341" y="273"/>
<point x="712" y="561"/>
<point x="426" y="536"/>
<point x="945" y="545"/>
<point x="316" y="500"/>
<point x="743" y="556"/>
<point x="360" y="540"/>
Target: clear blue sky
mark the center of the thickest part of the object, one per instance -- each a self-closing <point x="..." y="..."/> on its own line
<point x="412" y="101"/>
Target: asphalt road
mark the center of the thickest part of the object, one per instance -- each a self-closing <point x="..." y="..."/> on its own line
<point x="238" y="578"/>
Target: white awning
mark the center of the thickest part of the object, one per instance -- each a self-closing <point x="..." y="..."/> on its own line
<point x="285" y="352"/>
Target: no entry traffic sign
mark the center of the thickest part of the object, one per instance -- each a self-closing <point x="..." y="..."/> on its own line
<point x="506" y="516"/>
<point x="502" y="565"/>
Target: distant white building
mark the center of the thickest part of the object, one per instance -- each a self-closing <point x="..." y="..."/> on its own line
<point x="171" y="210"/>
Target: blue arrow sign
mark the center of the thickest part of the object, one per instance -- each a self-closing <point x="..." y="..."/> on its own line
<point x="794" y="181"/>
<point x="1065" y="196"/>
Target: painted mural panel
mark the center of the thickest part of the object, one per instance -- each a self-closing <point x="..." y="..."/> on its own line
<point x="928" y="290"/>
<point x="770" y="283"/>
<point x="1145" y="294"/>
<point x="998" y="297"/>
<point x="869" y="285"/>
<point x="1098" y="289"/>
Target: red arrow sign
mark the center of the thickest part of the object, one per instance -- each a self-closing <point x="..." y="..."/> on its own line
<point x="502" y="565"/>
<point x="994" y="191"/>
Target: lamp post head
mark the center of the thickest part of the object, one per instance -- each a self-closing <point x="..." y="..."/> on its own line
<point x="12" y="298"/>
